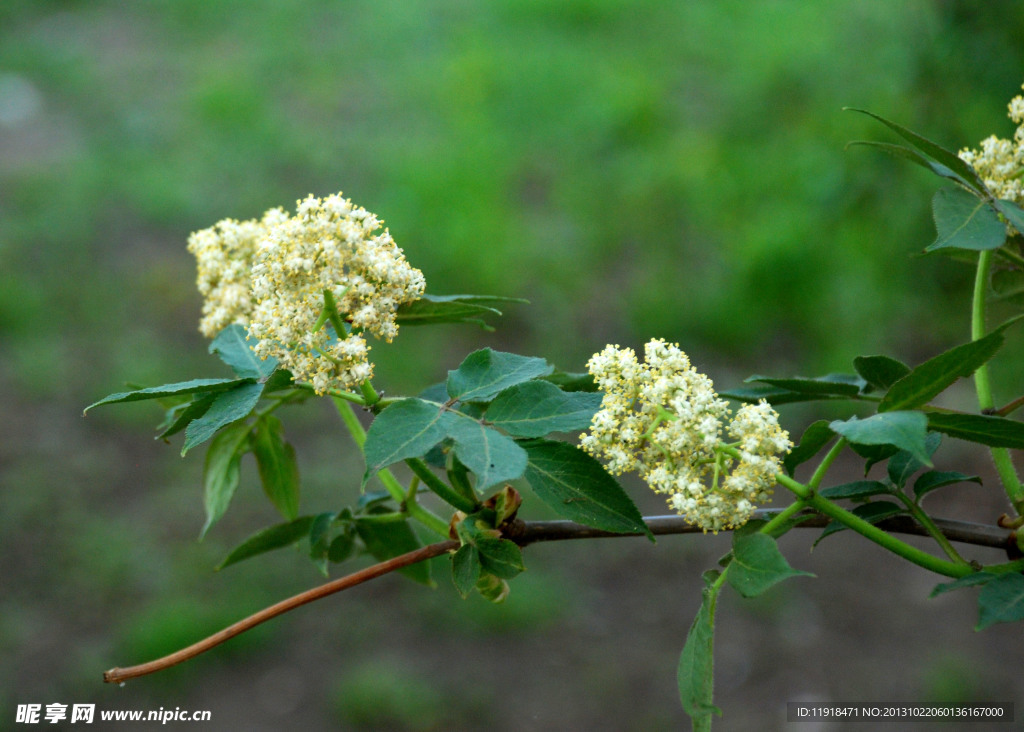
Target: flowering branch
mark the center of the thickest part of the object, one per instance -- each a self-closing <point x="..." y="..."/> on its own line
<point x="532" y="532"/>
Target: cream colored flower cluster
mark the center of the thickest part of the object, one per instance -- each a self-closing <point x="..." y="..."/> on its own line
<point x="664" y="420"/>
<point x="1000" y="162"/>
<point x="271" y="275"/>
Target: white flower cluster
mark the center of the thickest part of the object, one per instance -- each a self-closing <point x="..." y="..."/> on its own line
<point x="664" y="420"/>
<point x="1000" y="163"/>
<point x="272" y="274"/>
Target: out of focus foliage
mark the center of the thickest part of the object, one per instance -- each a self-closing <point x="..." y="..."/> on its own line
<point x="633" y="168"/>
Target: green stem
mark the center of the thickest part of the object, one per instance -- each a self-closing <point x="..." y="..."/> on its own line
<point x="331" y="308"/>
<point x="370" y="396"/>
<point x="875" y="534"/>
<point x="442" y="489"/>
<point x="1000" y="455"/>
<point x="782" y="517"/>
<point x="922" y="518"/>
<point x="825" y="464"/>
<point x="346" y="395"/>
<point x="432" y="521"/>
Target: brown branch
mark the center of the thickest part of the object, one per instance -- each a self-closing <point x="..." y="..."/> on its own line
<point x="523" y="533"/>
<point x="117" y="675"/>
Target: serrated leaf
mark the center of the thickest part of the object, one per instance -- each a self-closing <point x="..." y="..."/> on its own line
<point x="156" y="392"/>
<point x="493" y="457"/>
<point x="963" y="221"/>
<point x="695" y="675"/>
<point x="971" y="580"/>
<point x="871" y="512"/>
<point x="500" y="557"/>
<point x="904" y="429"/>
<point x="1008" y="282"/>
<point x="964" y="172"/>
<point x="1013" y="213"/>
<point x="465" y="569"/>
<point x="578" y="488"/>
<point x="274" y="537"/>
<point x="857" y="489"/>
<point x="912" y="155"/>
<point x="221" y="470"/>
<point x="185" y="413"/>
<point x="227" y="407"/>
<point x="980" y="428"/>
<point x="932" y="377"/>
<point x="880" y="372"/>
<point x="233" y="346"/>
<point x="933" y="479"/>
<point x="902" y="465"/>
<point x="405" y="429"/>
<point x="570" y="381"/>
<point x="873" y="454"/>
<point x="279" y="471"/>
<point x="1001" y="600"/>
<point x="485" y="373"/>
<point x="816" y="436"/>
<point x="537" y="408"/>
<point x="757" y="564"/>
<point x="840" y="385"/>
<point x="388" y="540"/>
<point x="320" y="535"/>
<point x="434" y="309"/>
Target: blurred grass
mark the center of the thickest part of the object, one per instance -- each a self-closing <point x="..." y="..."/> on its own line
<point x="634" y="169"/>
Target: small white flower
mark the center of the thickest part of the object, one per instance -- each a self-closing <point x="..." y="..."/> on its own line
<point x="664" y="420"/>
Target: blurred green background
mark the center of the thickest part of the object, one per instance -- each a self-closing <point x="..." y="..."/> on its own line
<point x="634" y="169"/>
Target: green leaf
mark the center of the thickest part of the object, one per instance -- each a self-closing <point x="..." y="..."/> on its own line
<point x="274" y="537"/>
<point x="871" y="512"/>
<point x="320" y="535"/>
<point x="485" y="373"/>
<point x="964" y="221"/>
<point x="695" y="675"/>
<point x="873" y="454"/>
<point x="932" y="377"/>
<point x="229" y="406"/>
<point x="964" y="172"/>
<point x="971" y="580"/>
<point x="980" y="428"/>
<point x="1008" y="283"/>
<point x="937" y="479"/>
<point x="405" y="429"/>
<point x="1001" y="600"/>
<point x="902" y="465"/>
<point x="185" y="413"/>
<point x="905" y="430"/>
<point x="757" y="564"/>
<point x="341" y="547"/>
<point x="466" y="569"/>
<point x="840" y="385"/>
<point x="880" y="372"/>
<point x="912" y="155"/>
<point x="773" y="395"/>
<point x="857" y="489"/>
<point x="816" y="436"/>
<point x="569" y="381"/>
<point x="493" y="457"/>
<point x="221" y="471"/>
<point x="388" y="540"/>
<point x="578" y="488"/>
<point x="279" y="472"/>
<point x="156" y="392"/>
<point x="233" y="348"/>
<point x="434" y="309"/>
<point x="1013" y="213"/>
<point x="537" y="408"/>
<point x="500" y="557"/>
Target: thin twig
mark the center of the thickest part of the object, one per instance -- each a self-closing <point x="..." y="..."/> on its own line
<point x="117" y="675"/>
<point x="529" y="532"/>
